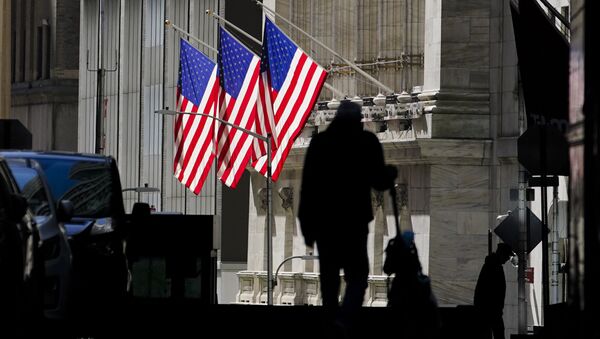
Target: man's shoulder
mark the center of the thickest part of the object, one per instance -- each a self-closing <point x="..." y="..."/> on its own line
<point x="318" y="137"/>
<point x="369" y="134"/>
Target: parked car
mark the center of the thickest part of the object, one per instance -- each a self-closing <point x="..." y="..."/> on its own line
<point x="55" y="249"/>
<point x="21" y="267"/>
<point x="96" y="230"/>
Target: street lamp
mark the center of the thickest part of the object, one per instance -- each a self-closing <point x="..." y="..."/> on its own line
<point x="266" y="139"/>
<point x="303" y="257"/>
<point x="141" y="189"/>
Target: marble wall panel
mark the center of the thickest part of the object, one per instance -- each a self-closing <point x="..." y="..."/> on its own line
<point x="459" y="199"/>
<point x="451" y="292"/>
<point x="467" y="54"/>
<point x="460" y="126"/>
<point x="460" y="8"/>
<point x="472" y="223"/>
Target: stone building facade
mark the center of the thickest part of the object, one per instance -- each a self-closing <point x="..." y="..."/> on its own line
<point x="450" y="127"/>
<point x="45" y="71"/>
<point x="451" y="130"/>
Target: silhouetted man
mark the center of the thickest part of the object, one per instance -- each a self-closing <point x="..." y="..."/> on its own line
<point x="342" y="164"/>
<point x="490" y="291"/>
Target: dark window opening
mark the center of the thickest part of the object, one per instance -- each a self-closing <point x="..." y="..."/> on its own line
<point x="13" y="57"/>
<point x="39" y="53"/>
<point x="564" y="10"/>
<point x="43" y="51"/>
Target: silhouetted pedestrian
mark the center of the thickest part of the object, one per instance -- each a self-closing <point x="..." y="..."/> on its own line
<point x="342" y="164"/>
<point x="490" y="292"/>
<point x="410" y="297"/>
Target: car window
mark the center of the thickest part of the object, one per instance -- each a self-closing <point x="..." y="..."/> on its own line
<point x="7" y="181"/>
<point x="88" y="184"/>
<point x="32" y="189"/>
<point x="4" y="190"/>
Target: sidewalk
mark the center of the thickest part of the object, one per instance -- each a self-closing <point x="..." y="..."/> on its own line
<point x="163" y="318"/>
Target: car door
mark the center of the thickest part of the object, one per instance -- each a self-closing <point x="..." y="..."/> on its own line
<point x="21" y="267"/>
<point x="55" y="248"/>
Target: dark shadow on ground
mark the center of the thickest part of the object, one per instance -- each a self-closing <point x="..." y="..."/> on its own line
<point x="178" y="319"/>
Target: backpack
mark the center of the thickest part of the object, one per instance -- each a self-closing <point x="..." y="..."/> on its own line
<point x="410" y="293"/>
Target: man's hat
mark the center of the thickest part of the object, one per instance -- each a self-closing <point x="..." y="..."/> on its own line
<point x="504" y="248"/>
<point x="349" y="110"/>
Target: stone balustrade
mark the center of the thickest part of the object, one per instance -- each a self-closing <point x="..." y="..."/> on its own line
<point x="295" y="288"/>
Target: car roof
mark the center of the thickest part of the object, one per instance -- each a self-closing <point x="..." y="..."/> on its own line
<point x="53" y="155"/>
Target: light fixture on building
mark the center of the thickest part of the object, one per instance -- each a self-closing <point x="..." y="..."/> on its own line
<point x="333" y="104"/>
<point x="379" y="100"/>
<point x="357" y="100"/>
<point x="142" y="189"/>
<point x="404" y="97"/>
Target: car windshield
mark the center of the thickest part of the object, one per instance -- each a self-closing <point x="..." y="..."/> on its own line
<point x="32" y="189"/>
<point x="87" y="184"/>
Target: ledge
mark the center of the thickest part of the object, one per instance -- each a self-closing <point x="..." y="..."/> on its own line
<point x="45" y="91"/>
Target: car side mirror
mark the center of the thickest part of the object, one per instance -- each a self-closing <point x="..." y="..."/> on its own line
<point x="18" y="207"/>
<point x="65" y="209"/>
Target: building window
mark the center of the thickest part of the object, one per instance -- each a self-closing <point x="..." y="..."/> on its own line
<point x="43" y="50"/>
<point x="564" y="10"/>
<point x="13" y="59"/>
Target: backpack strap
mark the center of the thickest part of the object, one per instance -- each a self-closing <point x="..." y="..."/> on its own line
<point x="393" y="194"/>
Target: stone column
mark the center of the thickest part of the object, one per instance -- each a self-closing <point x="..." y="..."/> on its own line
<point x="257" y="225"/>
<point x="457" y="60"/>
<point x="287" y="202"/>
<point x="380" y="227"/>
<point x="5" y="58"/>
<point x="456" y="99"/>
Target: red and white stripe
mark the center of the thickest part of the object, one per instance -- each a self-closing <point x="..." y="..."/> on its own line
<point x="265" y="119"/>
<point x="234" y="146"/>
<point x="194" y="134"/>
<point x="291" y="107"/>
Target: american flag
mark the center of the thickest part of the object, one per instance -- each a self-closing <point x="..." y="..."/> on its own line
<point x="197" y="91"/>
<point x="290" y="84"/>
<point x="239" y="71"/>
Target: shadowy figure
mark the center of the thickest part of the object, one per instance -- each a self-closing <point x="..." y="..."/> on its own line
<point x="410" y="296"/>
<point x="342" y="164"/>
<point x="490" y="291"/>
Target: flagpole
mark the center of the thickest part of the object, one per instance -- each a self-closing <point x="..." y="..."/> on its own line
<point x="168" y="23"/>
<point x="269" y="173"/>
<point x="218" y="17"/>
<point x="351" y="64"/>
<point x="172" y="112"/>
<point x="269" y="189"/>
<point x="269" y="225"/>
<point x="267" y="139"/>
